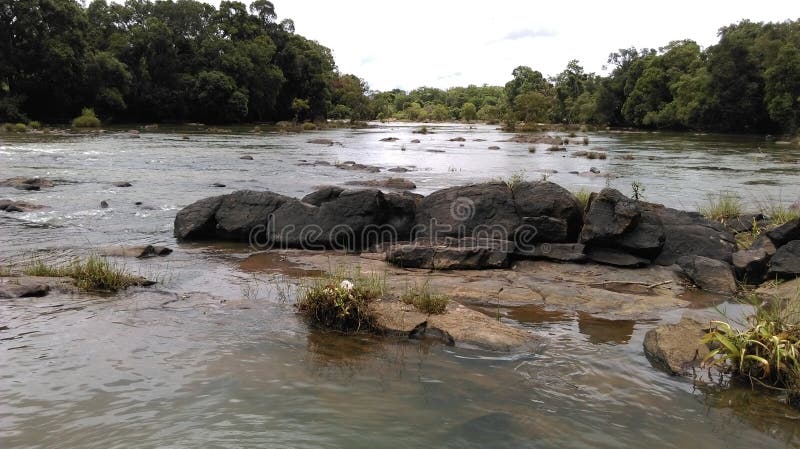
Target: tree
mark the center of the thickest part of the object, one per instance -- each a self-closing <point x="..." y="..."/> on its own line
<point x="468" y="112"/>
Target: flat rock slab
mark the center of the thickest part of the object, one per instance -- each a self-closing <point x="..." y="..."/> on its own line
<point x="465" y="326"/>
<point x="601" y="290"/>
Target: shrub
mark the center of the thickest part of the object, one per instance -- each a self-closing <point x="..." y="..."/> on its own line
<point x="342" y="300"/>
<point x="20" y="128"/>
<point x="308" y="126"/>
<point x="572" y="134"/>
<point x="531" y="149"/>
<point x="87" y="119"/>
<point x="424" y="300"/>
<point x="767" y="351"/>
<point x="34" y="124"/>
<point x="586" y="141"/>
<point x="722" y="207"/>
<point x="93" y="273"/>
<point x="8" y="127"/>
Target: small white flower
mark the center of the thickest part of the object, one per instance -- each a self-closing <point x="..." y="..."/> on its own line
<point x="347" y="285"/>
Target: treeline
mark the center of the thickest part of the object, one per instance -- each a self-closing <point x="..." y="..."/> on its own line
<point x="184" y="60"/>
<point x="145" y="61"/>
<point x="748" y="82"/>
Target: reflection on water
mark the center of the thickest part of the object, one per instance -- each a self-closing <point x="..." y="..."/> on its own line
<point x="216" y="358"/>
<point x="601" y="330"/>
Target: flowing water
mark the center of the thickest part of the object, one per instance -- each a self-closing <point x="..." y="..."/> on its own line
<point x="214" y="356"/>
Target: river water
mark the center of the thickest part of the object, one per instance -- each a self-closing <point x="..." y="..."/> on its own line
<point x="215" y="356"/>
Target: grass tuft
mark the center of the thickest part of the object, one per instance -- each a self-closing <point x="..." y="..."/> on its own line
<point x="341" y="300"/>
<point x="582" y="196"/>
<point x="767" y="350"/>
<point x="93" y="273"/>
<point x="722" y="207"/>
<point x="778" y="214"/>
<point x="424" y="300"/>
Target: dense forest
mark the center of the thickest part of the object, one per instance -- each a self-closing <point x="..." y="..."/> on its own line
<point x="185" y="60"/>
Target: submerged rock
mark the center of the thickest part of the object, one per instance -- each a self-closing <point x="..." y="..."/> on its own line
<point x="23" y="183"/>
<point x="140" y="252"/>
<point x="389" y="139"/>
<point x="389" y="183"/>
<point x="328" y="142"/>
<point x="247" y="157"/>
<point x="710" y="275"/>
<point x="18" y="206"/>
<point x="676" y="348"/>
<point x="122" y="184"/>
<point x="23" y="288"/>
<point x="459" y="325"/>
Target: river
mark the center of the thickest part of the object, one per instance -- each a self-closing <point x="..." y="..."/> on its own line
<point x="215" y="356"/>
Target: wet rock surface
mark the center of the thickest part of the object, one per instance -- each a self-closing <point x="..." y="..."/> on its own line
<point x="18" y="206"/>
<point x="23" y="183"/>
<point x="389" y="183"/>
<point x="676" y="348"/>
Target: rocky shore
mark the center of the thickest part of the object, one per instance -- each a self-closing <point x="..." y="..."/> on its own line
<point x="498" y="244"/>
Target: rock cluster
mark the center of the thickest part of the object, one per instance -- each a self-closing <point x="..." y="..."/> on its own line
<point x="491" y="224"/>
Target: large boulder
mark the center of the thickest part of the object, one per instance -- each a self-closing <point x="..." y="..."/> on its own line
<point x="23" y="183"/>
<point x="676" y="348"/>
<point x="468" y="211"/>
<point x="691" y="234"/>
<point x="535" y="200"/>
<point x="751" y="264"/>
<point x="614" y="221"/>
<point x="786" y="261"/>
<point x="785" y="233"/>
<point x="710" y="275"/>
<point x="350" y="220"/>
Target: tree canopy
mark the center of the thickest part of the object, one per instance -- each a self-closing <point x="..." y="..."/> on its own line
<point x="185" y="60"/>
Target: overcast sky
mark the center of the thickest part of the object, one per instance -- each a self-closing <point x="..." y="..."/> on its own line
<point x="438" y="43"/>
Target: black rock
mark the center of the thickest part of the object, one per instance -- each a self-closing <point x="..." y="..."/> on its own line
<point x="104" y="204"/>
<point x="710" y="275"/>
<point x="785" y="233"/>
<point x="609" y="256"/>
<point x="123" y="184"/>
<point x="786" y="261"/>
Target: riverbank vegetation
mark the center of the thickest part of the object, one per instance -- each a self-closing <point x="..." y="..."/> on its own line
<point x="764" y="351"/>
<point x="341" y="300"/>
<point x="167" y="61"/>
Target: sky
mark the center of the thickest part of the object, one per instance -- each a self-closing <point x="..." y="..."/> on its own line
<point x="443" y="43"/>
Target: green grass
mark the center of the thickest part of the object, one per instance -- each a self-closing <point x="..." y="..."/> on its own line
<point x="341" y="300"/>
<point x="766" y="351"/>
<point x="582" y="196"/>
<point x="424" y="300"/>
<point x="514" y="179"/>
<point x="722" y="207"/>
<point x="779" y="214"/>
<point x="87" y="119"/>
<point x="92" y="274"/>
